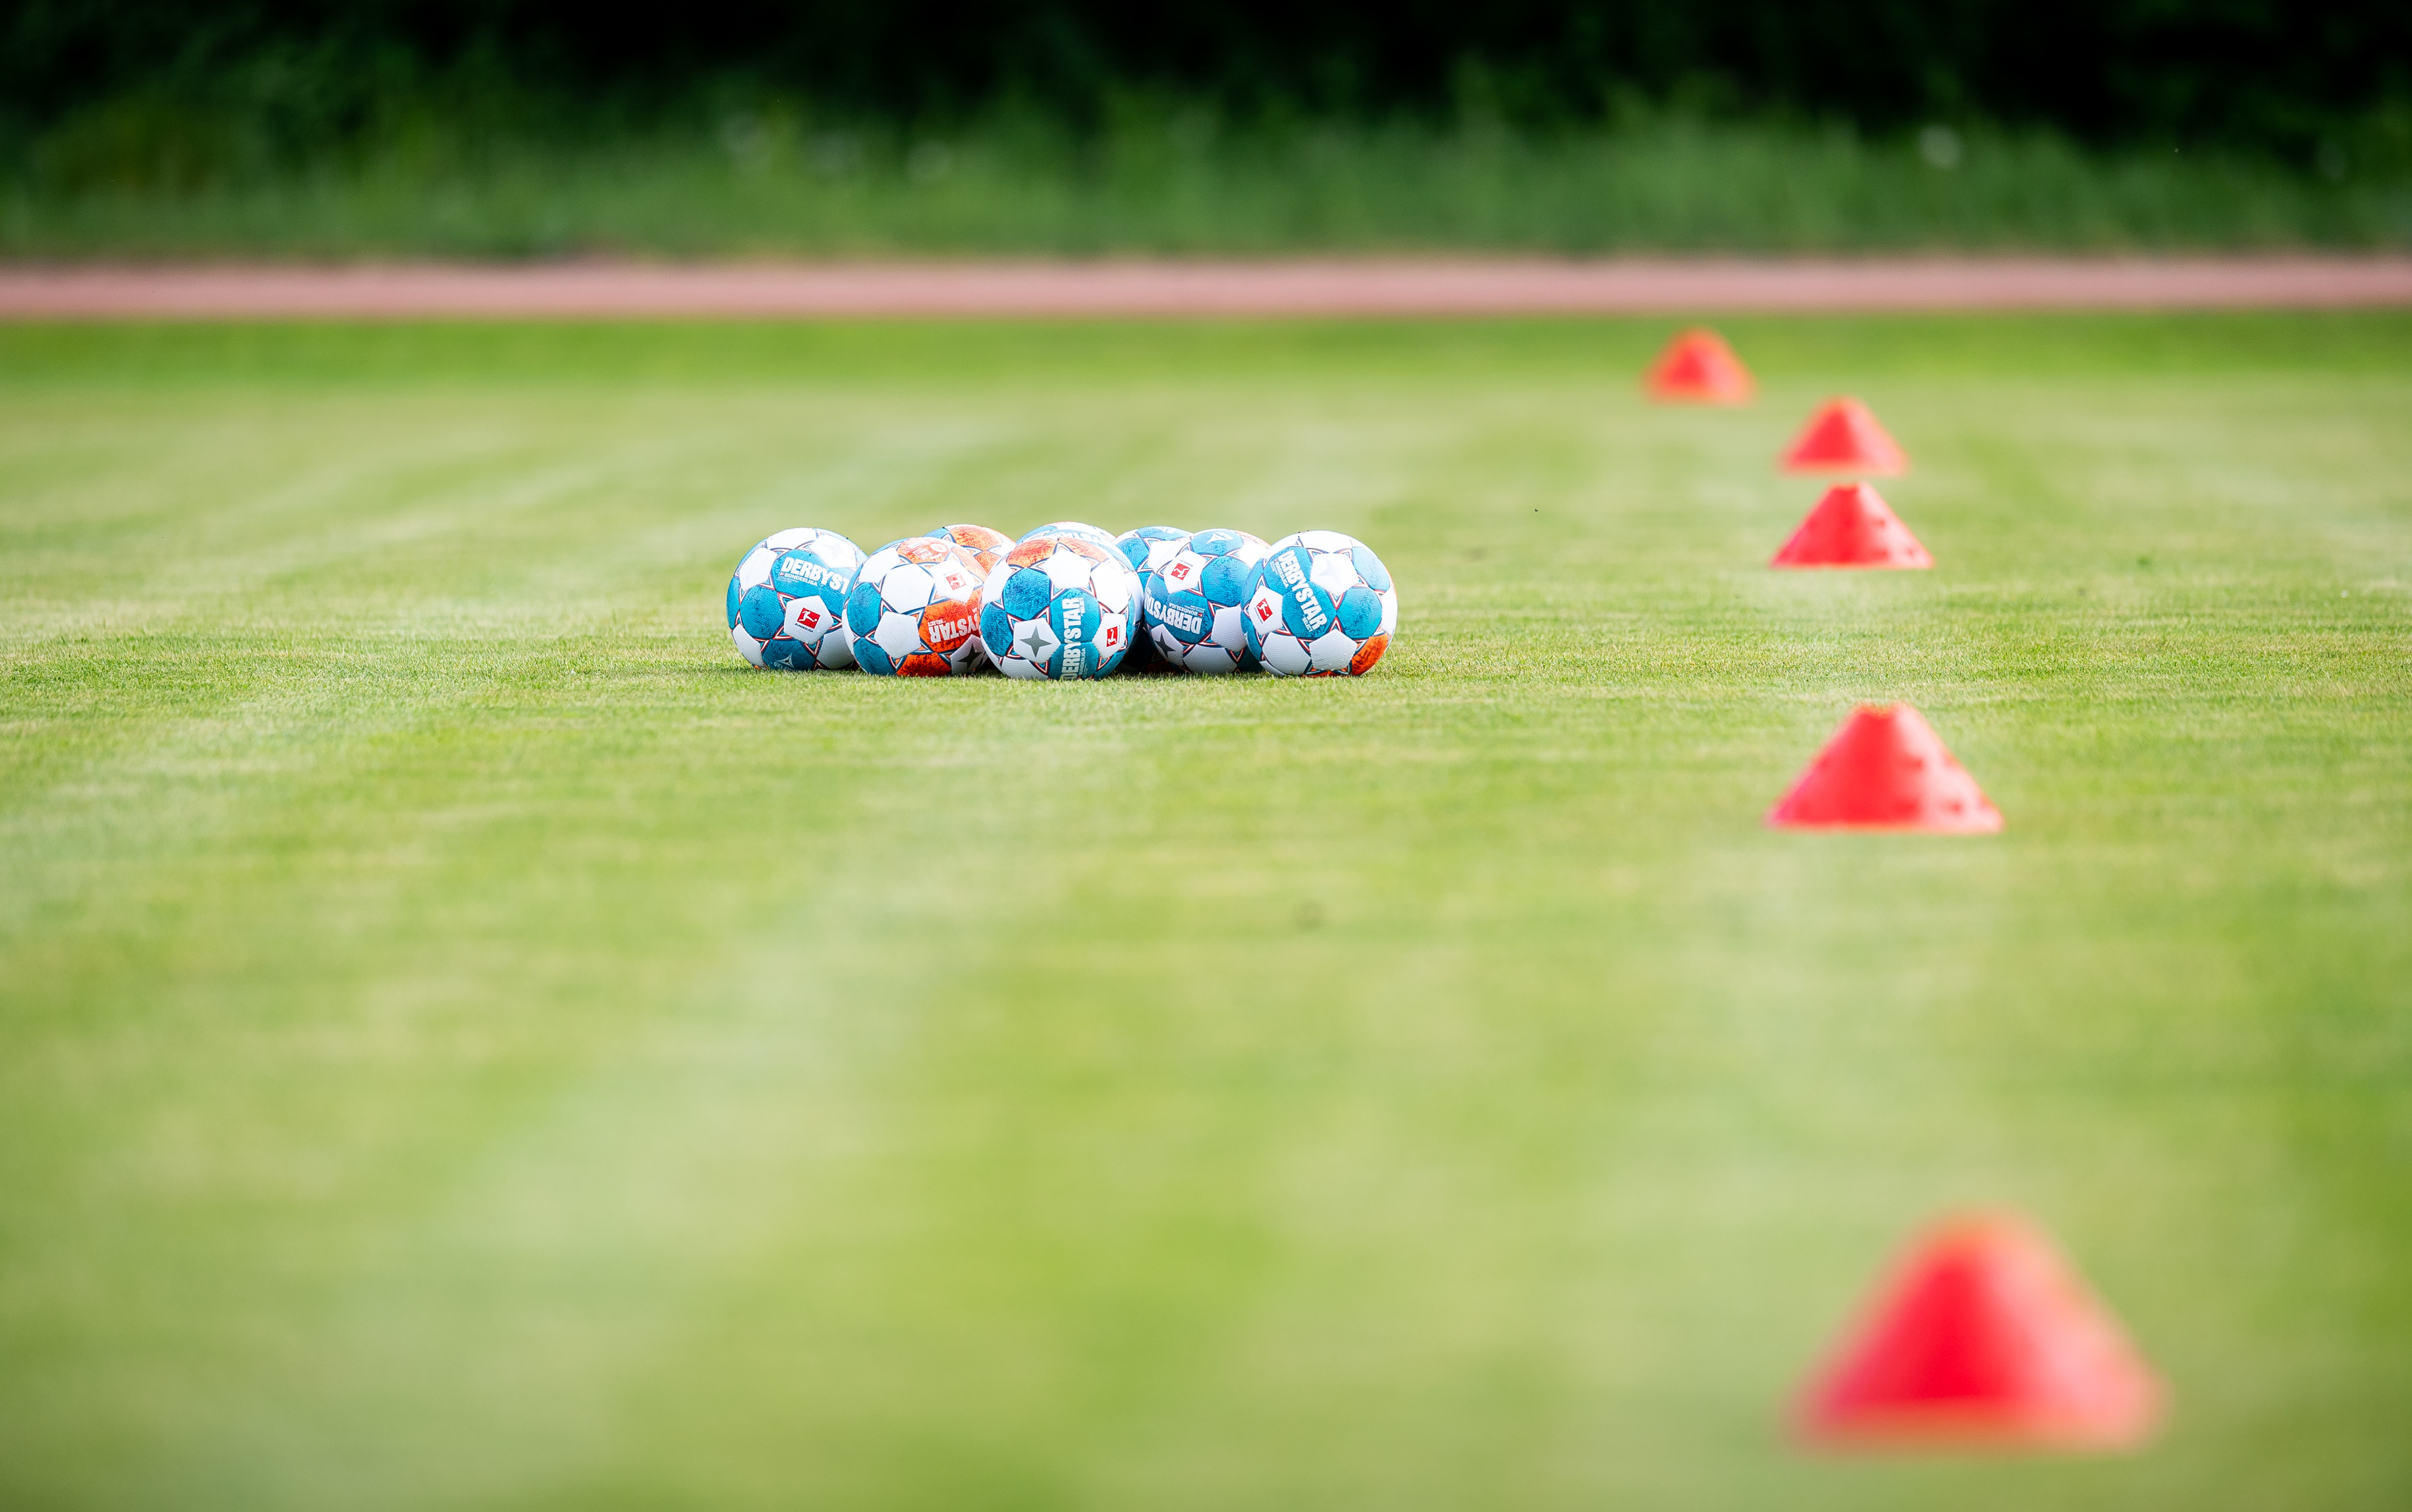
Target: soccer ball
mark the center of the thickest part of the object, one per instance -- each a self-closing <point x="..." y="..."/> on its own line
<point x="786" y="600"/>
<point x="1195" y="600"/>
<point x="1147" y="549"/>
<point x="913" y="609"/>
<point x="1059" y="606"/>
<point x="987" y="546"/>
<point x="1321" y="605"/>
<point x="1073" y="527"/>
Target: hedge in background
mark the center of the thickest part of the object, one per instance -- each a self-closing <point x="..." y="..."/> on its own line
<point x="186" y="88"/>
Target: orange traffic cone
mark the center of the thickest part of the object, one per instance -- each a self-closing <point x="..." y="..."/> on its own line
<point x="1699" y="368"/>
<point x="1885" y="769"/>
<point x="1843" y="436"/>
<point x="1983" y="1337"/>
<point x="1852" y="527"/>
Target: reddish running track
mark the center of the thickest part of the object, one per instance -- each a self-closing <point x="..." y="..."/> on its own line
<point x="613" y="290"/>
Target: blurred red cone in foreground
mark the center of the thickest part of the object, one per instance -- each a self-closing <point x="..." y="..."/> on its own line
<point x="1844" y="437"/>
<point x="1852" y="527"/>
<point x="1984" y="1338"/>
<point x="1699" y="368"/>
<point x="1885" y="769"/>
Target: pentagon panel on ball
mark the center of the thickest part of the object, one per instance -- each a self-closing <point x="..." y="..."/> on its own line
<point x="1146" y="549"/>
<point x="786" y="600"/>
<point x="1321" y="605"/>
<point x="1194" y="601"/>
<point x="1059" y="606"/>
<point x="913" y="609"/>
<point x="1073" y="527"/>
<point x="987" y="546"/>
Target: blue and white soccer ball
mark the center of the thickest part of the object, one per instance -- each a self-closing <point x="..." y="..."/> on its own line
<point x="913" y="609"/>
<point x="1073" y="527"/>
<point x="786" y="600"/>
<point x="1059" y="606"/>
<point x="1321" y="605"/>
<point x="1194" y="601"/>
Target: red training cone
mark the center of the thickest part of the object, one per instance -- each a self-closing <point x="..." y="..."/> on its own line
<point x="1852" y="527"/>
<point x="1983" y="1337"/>
<point x="1885" y="769"/>
<point x="1844" y="437"/>
<point x="1699" y="368"/>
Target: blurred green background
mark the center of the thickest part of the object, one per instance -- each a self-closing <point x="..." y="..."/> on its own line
<point x="541" y="128"/>
<point x="467" y="1040"/>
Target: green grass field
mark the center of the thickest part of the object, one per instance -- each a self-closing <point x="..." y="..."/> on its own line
<point x="467" y="1041"/>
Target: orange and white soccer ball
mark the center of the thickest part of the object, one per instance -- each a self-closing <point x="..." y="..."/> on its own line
<point x="913" y="609"/>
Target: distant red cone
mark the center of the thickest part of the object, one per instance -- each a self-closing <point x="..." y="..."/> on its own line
<point x="1885" y="769"/>
<point x="1699" y="368"/>
<point x="1984" y="1338"/>
<point x="1852" y="527"/>
<point x="1844" y="437"/>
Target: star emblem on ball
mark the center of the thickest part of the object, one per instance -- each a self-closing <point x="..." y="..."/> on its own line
<point x="1036" y="641"/>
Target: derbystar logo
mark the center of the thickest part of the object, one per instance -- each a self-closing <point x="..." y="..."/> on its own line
<point x="811" y="574"/>
<point x="944" y="632"/>
<point x="1186" y="621"/>
<point x="1300" y="589"/>
<point x="1075" y="653"/>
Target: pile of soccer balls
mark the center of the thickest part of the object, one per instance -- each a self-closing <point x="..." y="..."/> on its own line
<point x="1065" y="601"/>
